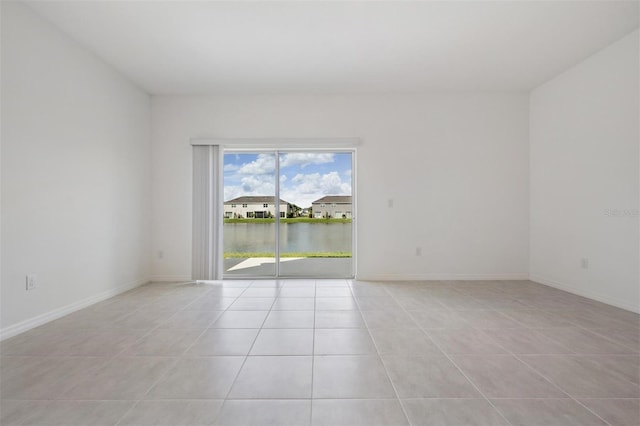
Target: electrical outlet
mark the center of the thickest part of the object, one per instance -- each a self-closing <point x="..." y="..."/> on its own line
<point x="31" y="282"/>
<point x="584" y="263"/>
<point x="390" y="203"/>
<point x="418" y="251"/>
<point x="160" y="254"/>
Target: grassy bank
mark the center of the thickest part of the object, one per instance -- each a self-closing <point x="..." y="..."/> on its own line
<point x="289" y="220"/>
<point x="231" y="255"/>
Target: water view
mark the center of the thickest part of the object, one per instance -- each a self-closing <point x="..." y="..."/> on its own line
<point x="314" y="213"/>
<point x="301" y="238"/>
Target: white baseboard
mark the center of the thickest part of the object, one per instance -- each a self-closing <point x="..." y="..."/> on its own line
<point x="170" y="278"/>
<point x="441" y="277"/>
<point x="622" y="304"/>
<point x="39" y="320"/>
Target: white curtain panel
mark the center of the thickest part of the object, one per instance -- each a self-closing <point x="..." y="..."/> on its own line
<point x="206" y="239"/>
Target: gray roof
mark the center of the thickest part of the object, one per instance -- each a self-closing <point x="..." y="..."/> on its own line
<point x="253" y="199"/>
<point x="334" y="199"/>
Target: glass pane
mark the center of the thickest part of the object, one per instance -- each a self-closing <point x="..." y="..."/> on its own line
<point x="316" y="232"/>
<point x="249" y="230"/>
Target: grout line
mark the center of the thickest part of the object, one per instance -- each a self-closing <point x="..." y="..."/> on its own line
<point x="544" y="377"/>
<point x="173" y="289"/>
<point x="176" y="359"/>
<point x="313" y="349"/>
<point x="557" y="386"/>
<point x="384" y="367"/>
<point x="244" y="361"/>
<point x="455" y="365"/>
<point x="162" y="376"/>
<point x="124" y="415"/>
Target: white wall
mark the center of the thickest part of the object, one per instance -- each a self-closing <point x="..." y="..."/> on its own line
<point x="456" y="165"/>
<point x="75" y="174"/>
<point x="584" y="164"/>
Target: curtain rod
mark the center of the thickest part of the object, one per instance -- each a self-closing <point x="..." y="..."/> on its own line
<point x="279" y="142"/>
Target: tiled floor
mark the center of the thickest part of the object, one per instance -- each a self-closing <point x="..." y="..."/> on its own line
<point x="329" y="352"/>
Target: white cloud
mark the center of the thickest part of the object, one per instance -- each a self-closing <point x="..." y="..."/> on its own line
<point x="251" y="185"/>
<point x="306" y="188"/>
<point x="231" y="167"/>
<point x="263" y="165"/>
<point x="303" y="159"/>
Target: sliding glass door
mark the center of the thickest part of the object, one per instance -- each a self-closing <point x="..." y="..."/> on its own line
<point x="299" y="224"/>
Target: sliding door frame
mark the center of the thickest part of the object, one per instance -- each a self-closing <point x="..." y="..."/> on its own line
<point x="278" y="146"/>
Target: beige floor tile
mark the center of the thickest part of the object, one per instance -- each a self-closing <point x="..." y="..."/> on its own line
<point x="298" y="283"/>
<point x="343" y="342"/>
<point x="294" y="304"/>
<point x="240" y="319"/>
<point x="452" y="412"/>
<point x="583" y="341"/>
<point x="419" y="303"/>
<point x="403" y="342"/>
<point x="339" y="319"/>
<point x="525" y="342"/>
<point x="377" y="304"/>
<point x="625" y="367"/>
<point x="333" y="283"/>
<point x="534" y="318"/>
<point x="274" y="377"/>
<point x="225" y="292"/>
<point x="173" y="413"/>
<point x="357" y="412"/>
<point x="44" y="377"/>
<point x="542" y="412"/>
<point x="388" y="319"/>
<point x="461" y="302"/>
<point x="582" y="377"/>
<point x="333" y="292"/>
<point x="621" y="412"/>
<point x="198" y="378"/>
<point x="91" y="319"/>
<point x="197" y="320"/>
<point x="291" y="291"/>
<point x="268" y="292"/>
<point x="504" y="376"/>
<point x="63" y="413"/>
<point x="54" y="342"/>
<point x="275" y="412"/>
<point x="463" y="342"/>
<point x="436" y="319"/>
<point x="360" y="289"/>
<point x="211" y="303"/>
<point x="290" y="319"/>
<point x="120" y="379"/>
<point x="488" y="319"/>
<point x="283" y="342"/>
<point x="82" y="413"/>
<point x="335" y="304"/>
<point x="163" y="342"/>
<point x="143" y="320"/>
<point x="270" y="283"/>
<point x="16" y="412"/>
<point x="252" y="304"/>
<point x="626" y="337"/>
<point x="356" y="376"/>
<point x="170" y="353"/>
<point x="224" y="342"/>
<point x="427" y="377"/>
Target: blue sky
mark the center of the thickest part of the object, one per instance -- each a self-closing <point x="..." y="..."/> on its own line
<point x="304" y="177"/>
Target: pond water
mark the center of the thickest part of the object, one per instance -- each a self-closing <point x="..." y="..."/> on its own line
<point x="294" y="237"/>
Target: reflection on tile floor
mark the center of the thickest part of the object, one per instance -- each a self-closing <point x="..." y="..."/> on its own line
<point x="329" y="352"/>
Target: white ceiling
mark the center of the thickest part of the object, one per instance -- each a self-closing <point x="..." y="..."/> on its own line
<point x="197" y="47"/>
